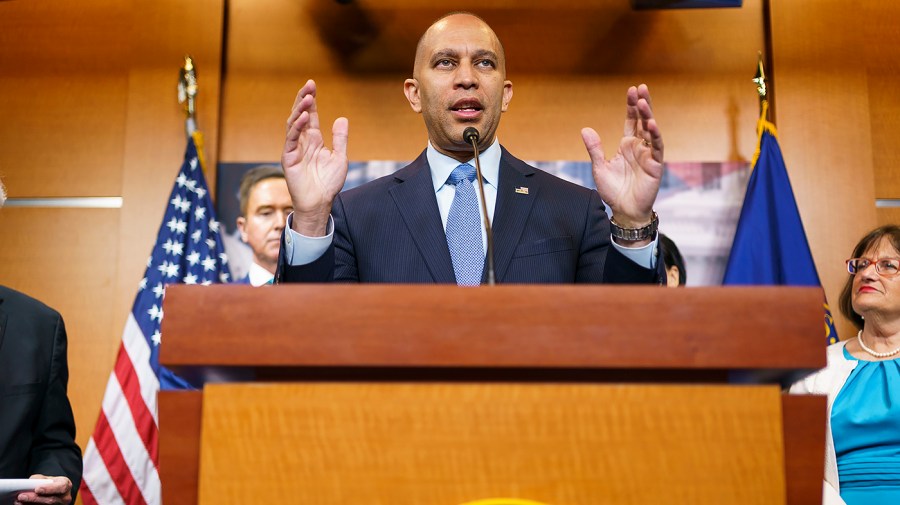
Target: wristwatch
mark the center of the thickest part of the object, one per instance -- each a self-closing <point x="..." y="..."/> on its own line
<point x="635" y="234"/>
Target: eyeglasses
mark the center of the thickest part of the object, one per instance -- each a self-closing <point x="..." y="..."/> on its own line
<point x="886" y="267"/>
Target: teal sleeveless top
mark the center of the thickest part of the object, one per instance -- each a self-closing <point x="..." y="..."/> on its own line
<point x="865" y="425"/>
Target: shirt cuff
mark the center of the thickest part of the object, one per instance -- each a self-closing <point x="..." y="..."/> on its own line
<point x="302" y="250"/>
<point x="644" y="256"/>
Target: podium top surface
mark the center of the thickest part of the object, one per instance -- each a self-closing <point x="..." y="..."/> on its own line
<point x="523" y="326"/>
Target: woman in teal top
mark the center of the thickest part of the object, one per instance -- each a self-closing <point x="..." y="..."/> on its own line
<point x="865" y="424"/>
<point x="862" y="379"/>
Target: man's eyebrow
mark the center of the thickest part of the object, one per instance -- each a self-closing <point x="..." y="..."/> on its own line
<point x="444" y="53"/>
<point x="485" y="53"/>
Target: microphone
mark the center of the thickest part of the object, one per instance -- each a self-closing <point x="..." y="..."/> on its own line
<point x="471" y="136"/>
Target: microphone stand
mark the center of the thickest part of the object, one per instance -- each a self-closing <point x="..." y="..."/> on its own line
<point x="471" y="136"/>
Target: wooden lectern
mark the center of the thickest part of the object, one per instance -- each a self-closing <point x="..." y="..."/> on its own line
<point x="439" y="395"/>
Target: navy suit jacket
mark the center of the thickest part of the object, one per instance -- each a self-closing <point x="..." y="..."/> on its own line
<point x="390" y="230"/>
<point x="37" y="430"/>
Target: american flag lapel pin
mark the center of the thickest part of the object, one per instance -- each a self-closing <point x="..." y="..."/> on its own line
<point x="522" y="190"/>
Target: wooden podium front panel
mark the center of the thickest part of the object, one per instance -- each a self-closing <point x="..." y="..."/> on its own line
<point x="447" y="444"/>
<point x="510" y="326"/>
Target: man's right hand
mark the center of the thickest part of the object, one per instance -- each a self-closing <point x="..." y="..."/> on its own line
<point x="57" y="493"/>
<point x="314" y="173"/>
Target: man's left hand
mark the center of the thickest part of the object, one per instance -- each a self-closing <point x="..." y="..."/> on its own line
<point x="629" y="182"/>
<point x="59" y="492"/>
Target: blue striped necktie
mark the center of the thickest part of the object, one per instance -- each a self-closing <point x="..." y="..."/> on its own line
<point x="464" y="228"/>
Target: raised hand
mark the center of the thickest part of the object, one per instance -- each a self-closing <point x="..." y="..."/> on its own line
<point x="629" y="182"/>
<point x="314" y="173"/>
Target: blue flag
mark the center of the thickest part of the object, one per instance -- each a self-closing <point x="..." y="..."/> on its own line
<point x="770" y="246"/>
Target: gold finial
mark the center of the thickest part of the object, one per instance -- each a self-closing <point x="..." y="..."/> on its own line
<point x="765" y="95"/>
<point x="187" y="90"/>
<point x="760" y="78"/>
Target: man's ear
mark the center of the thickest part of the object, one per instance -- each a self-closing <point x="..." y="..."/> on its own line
<point x="507" y="95"/>
<point x="411" y="90"/>
<point x="241" y="224"/>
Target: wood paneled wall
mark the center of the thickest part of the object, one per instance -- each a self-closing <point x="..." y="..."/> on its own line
<point x="87" y="108"/>
<point x="832" y="119"/>
<point x="570" y="63"/>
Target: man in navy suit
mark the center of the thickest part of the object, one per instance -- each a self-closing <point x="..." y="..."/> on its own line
<point x="393" y="229"/>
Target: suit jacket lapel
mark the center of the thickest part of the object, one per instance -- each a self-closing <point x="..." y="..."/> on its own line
<point x="516" y="192"/>
<point x="415" y="199"/>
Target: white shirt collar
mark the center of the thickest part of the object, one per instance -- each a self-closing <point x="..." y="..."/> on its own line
<point x="442" y="165"/>
<point x="258" y="275"/>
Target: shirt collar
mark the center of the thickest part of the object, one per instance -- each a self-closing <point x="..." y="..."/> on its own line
<point x="441" y="165"/>
<point x="258" y="275"/>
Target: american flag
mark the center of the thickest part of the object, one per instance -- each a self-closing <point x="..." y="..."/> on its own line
<point x="121" y="460"/>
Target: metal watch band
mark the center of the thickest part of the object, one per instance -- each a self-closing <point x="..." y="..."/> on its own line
<point x="635" y="234"/>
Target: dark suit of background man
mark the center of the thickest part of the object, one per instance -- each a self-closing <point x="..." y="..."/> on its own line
<point x="393" y="229"/>
<point x="37" y="430"/>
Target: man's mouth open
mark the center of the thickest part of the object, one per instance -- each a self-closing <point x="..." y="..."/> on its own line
<point x="466" y="109"/>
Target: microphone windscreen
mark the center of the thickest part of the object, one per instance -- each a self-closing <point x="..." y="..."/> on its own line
<point x="471" y="134"/>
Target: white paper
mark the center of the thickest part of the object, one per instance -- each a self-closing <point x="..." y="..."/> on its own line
<point x="10" y="488"/>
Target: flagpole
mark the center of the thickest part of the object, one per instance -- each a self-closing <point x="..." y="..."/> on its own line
<point x="763" y="124"/>
<point x="761" y="88"/>
<point x="188" y="88"/>
<point x="770" y="245"/>
<point x="121" y="459"/>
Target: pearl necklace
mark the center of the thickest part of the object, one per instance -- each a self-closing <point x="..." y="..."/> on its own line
<point x="873" y="353"/>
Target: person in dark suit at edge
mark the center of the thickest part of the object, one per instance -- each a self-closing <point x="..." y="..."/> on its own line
<point x="37" y="429"/>
<point x="397" y="228"/>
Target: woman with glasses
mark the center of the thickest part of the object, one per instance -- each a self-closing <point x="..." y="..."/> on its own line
<point x="862" y="379"/>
